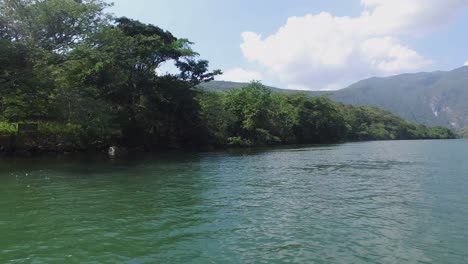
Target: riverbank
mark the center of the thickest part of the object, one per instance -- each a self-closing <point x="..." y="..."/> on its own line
<point x="40" y="145"/>
<point x="248" y="117"/>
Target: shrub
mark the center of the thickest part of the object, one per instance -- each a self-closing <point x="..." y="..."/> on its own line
<point x="8" y="128"/>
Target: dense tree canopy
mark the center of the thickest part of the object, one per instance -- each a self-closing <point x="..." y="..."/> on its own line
<point x="255" y="116"/>
<point x="96" y="80"/>
<point x="68" y="61"/>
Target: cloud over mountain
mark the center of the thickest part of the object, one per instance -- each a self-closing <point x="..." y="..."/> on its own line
<point x="322" y="51"/>
<point x="240" y="75"/>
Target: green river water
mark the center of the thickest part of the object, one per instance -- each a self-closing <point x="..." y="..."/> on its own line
<point x="373" y="202"/>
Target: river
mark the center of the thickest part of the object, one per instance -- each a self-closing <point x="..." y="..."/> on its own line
<point x="371" y="202"/>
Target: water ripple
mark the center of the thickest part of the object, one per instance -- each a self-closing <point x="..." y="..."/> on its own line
<point x="379" y="202"/>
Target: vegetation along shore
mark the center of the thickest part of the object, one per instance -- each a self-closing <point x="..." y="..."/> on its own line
<point x="95" y="81"/>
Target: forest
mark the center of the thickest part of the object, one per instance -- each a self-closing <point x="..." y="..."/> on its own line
<point x="91" y="80"/>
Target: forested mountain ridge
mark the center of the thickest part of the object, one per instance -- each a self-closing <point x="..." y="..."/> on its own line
<point x="226" y="86"/>
<point x="255" y="115"/>
<point x="433" y="99"/>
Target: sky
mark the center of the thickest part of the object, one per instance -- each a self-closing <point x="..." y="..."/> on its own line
<point x="314" y="44"/>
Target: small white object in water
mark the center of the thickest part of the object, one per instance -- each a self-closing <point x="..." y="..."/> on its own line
<point x="111" y="151"/>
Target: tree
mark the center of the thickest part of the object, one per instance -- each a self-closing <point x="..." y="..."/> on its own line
<point x="36" y="36"/>
<point x="52" y="25"/>
<point x="120" y="63"/>
<point x="319" y="120"/>
<point x="216" y="118"/>
<point x="253" y="107"/>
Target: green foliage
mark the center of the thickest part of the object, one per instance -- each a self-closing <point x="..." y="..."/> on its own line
<point x="91" y="80"/>
<point x="253" y="107"/>
<point x="371" y="123"/>
<point x="8" y="128"/>
<point x="36" y="37"/>
<point x="463" y="133"/>
<point x="151" y="110"/>
<point x="50" y="136"/>
<point x="51" y="25"/>
<point x="319" y="120"/>
<point x="69" y="62"/>
<point x="239" y="142"/>
<point x="254" y="115"/>
<point x="216" y="118"/>
<point x="61" y="133"/>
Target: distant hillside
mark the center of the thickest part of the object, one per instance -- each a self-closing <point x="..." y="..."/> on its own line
<point x="433" y="99"/>
<point x="437" y="98"/>
<point x="226" y="86"/>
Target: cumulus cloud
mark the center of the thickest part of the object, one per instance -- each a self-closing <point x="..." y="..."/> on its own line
<point x="403" y="16"/>
<point x="240" y="75"/>
<point x="323" y="51"/>
<point x="466" y="63"/>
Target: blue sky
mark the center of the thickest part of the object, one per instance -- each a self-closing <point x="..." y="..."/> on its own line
<point x="314" y="44"/>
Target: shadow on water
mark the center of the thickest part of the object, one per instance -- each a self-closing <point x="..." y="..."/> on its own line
<point x="268" y="149"/>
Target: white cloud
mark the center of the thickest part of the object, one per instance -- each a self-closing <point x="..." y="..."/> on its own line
<point x="240" y="75"/>
<point x="386" y="55"/>
<point x="466" y="63"/>
<point x="321" y="51"/>
<point x="397" y="16"/>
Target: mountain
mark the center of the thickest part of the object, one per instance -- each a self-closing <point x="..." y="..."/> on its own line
<point x="433" y="98"/>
